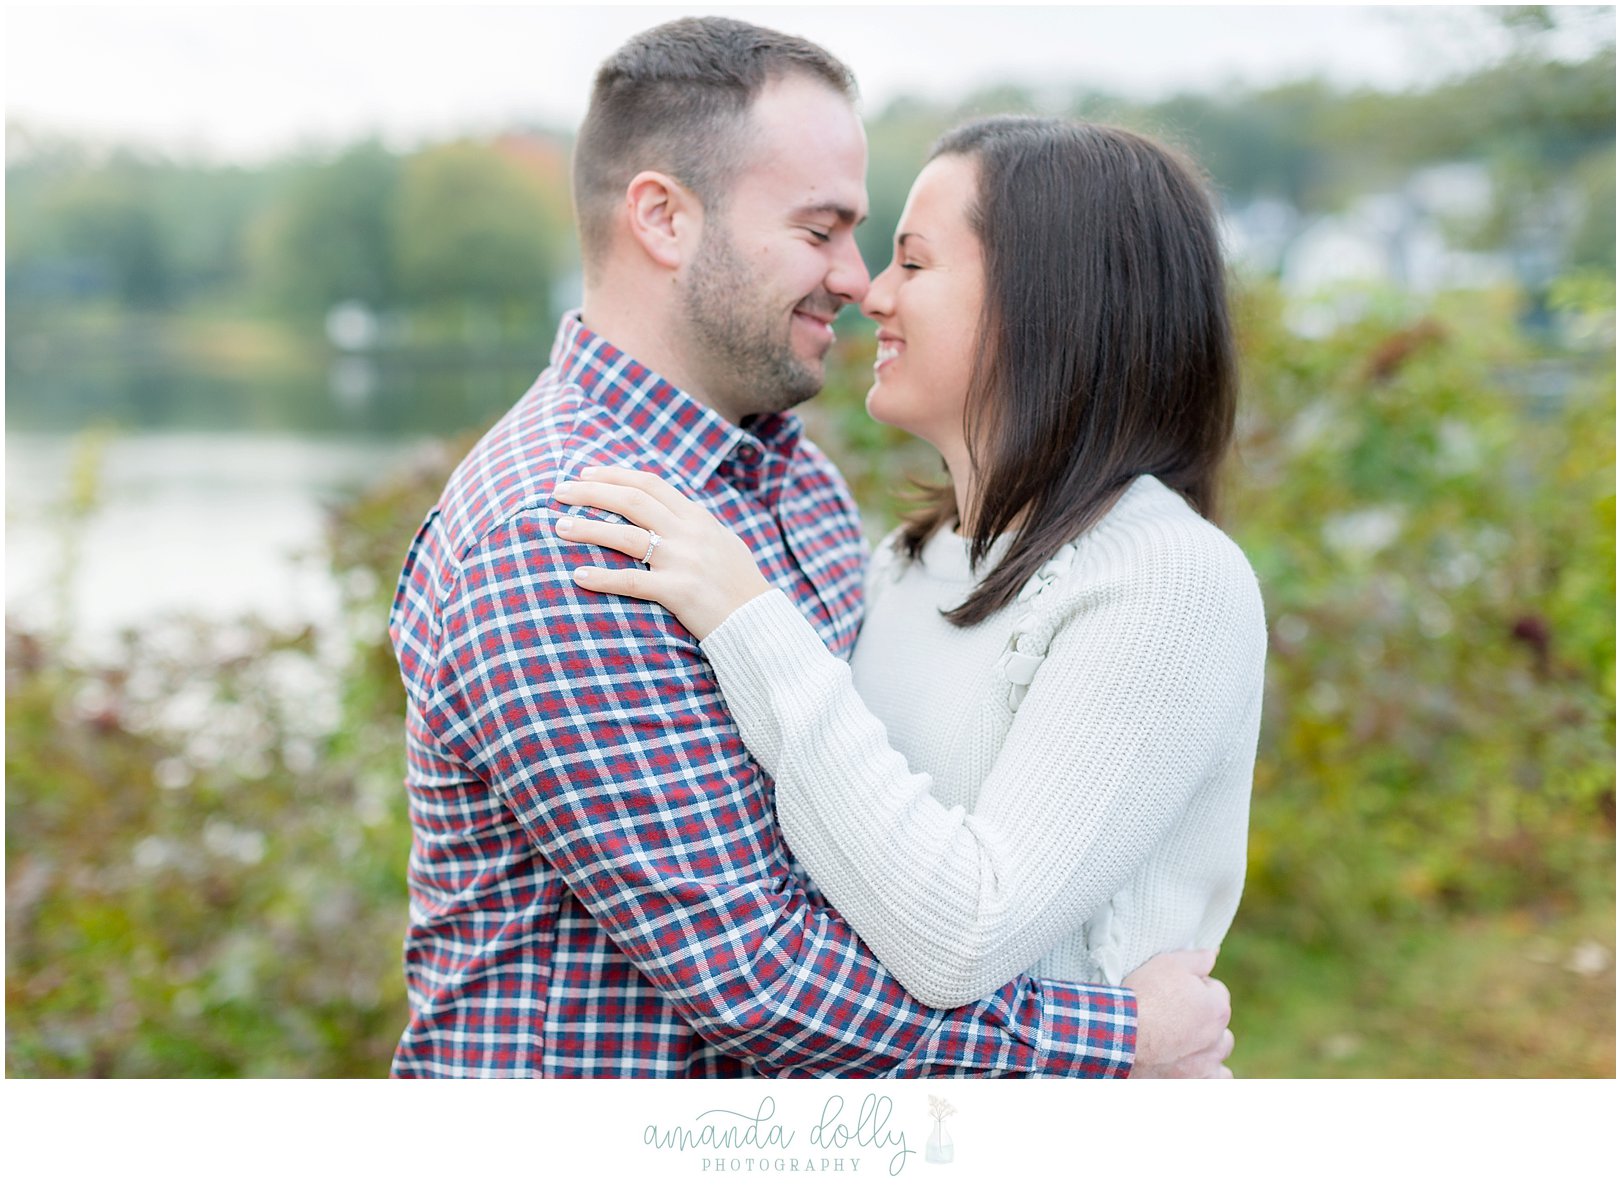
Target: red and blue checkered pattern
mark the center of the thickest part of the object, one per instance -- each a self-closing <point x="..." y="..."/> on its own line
<point x="598" y="883"/>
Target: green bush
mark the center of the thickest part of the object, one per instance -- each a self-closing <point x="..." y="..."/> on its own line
<point x="197" y="883"/>
<point x="1430" y="508"/>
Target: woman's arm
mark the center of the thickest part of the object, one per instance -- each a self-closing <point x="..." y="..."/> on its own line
<point x="1142" y="693"/>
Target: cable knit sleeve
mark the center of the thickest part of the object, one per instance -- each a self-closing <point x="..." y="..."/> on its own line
<point x="1149" y="682"/>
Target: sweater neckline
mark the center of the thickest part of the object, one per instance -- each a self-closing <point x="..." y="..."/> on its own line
<point x="945" y="555"/>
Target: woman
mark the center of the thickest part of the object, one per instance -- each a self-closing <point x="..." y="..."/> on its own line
<point x="1040" y="756"/>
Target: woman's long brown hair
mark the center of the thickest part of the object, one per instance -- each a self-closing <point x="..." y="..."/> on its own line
<point x="1106" y="349"/>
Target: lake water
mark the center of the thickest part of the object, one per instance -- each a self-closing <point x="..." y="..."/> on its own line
<point x="211" y="492"/>
<point x="184" y="524"/>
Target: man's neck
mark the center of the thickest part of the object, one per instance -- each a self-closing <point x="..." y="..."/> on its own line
<point x="651" y="341"/>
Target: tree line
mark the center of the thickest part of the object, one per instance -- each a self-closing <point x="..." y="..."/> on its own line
<point x="482" y="227"/>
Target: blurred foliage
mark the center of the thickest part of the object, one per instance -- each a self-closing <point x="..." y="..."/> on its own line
<point x="458" y="231"/>
<point x="1435" y="537"/>
<point x="331" y="236"/>
<point x="1428" y="502"/>
<point x="470" y="229"/>
<point x="234" y="909"/>
<point x="475" y="235"/>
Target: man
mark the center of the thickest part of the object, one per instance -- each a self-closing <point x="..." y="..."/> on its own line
<point x="598" y="883"/>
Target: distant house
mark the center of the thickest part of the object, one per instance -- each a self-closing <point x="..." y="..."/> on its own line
<point x="1255" y="235"/>
<point x="1328" y="265"/>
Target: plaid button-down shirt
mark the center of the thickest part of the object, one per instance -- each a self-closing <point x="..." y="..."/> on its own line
<point x="598" y="883"/>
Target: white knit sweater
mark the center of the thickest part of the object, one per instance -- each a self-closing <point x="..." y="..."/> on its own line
<point x="1062" y="789"/>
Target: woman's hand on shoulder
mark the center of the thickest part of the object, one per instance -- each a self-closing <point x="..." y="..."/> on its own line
<point x="687" y="560"/>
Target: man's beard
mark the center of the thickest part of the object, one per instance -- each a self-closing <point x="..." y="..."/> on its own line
<point x="749" y="356"/>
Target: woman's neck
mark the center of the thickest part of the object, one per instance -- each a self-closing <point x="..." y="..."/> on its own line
<point x="961" y="473"/>
<point x="967" y="492"/>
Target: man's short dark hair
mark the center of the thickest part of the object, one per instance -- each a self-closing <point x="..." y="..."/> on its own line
<point x="676" y="98"/>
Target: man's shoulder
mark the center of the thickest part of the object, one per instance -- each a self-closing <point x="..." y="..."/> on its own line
<point x="508" y="477"/>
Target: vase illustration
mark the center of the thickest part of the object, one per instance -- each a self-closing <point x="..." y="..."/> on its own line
<point x="938" y="1149"/>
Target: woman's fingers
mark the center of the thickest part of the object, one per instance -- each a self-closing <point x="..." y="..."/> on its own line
<point x="643" y="480"/>
<point x="634" y="504"/>
<point x="660" y="489"/>
<point x="621" y="538"/>
<point x="634" y="582"/>
<point x="697" y="568"/>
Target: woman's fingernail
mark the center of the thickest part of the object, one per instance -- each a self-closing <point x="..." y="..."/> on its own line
<point x="566" y="524"/>
<point x="585" y="571"/>
<point x="590" y="471"/>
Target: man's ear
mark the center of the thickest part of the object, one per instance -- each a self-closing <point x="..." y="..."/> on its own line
<point x="666" y="218"/>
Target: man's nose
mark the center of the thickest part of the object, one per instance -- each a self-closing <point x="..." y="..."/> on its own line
<point x="848" y="277"/>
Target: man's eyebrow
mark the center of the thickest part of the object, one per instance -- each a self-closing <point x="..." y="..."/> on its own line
<point x="844" y="214"/>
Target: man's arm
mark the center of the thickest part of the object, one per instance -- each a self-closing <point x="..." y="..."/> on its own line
<point x="600" y="724"/>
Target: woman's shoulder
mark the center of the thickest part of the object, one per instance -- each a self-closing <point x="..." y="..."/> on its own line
<point x="1151" y="525"/>
<point x="1151" y="574"/>
<point x="1153" y="548"/>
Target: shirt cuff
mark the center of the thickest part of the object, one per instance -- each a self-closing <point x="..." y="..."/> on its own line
<point x="1092" y="1031"/>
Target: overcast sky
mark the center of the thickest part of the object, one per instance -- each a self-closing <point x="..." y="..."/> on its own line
<point x="246" y="83"/>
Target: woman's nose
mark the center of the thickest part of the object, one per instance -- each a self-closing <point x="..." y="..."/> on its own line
<point x="880" y="294"/>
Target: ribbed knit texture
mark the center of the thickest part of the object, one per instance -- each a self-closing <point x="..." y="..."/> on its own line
<point x="1101" y="821"/>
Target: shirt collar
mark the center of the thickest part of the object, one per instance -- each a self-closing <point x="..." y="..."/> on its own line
<point x="694" y="440"/>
